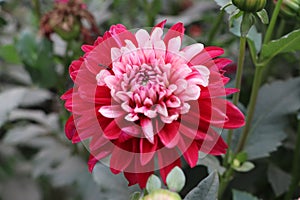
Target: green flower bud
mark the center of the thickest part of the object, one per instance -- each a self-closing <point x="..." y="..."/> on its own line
<point x="250" y="5"/>
<point x="162" y="194"/>
<point x="290" y="8"/>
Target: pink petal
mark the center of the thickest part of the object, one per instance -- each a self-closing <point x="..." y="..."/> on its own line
<point x="113" y="111"/>
<point x="192" y="50"/>
<point x="142" y="36"/>
<point x="147" y="128"/>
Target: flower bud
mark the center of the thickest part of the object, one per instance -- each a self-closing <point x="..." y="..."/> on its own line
<point x="250" y="5"/>
<point x="290" y="8"/>
<point x="162" y="194"/>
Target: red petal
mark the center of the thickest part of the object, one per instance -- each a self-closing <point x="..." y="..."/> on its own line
<point x="112" y="131"/>
<point x="70" y="128"/>
<point x="236" y="118"/>
<point x="222" y="62"/>
<point x="140" y="178"/>
<point x="167" y="160"/>
<point x="174" y="31"/>
<point x="217" y="146"/>
<point x="119" y="160"/>
<point x="92" y="162"/>
<point x="161" y="24"/>
<point x="190" y="151"/>
<point x="169" y="135"/>
<point x="206" y="55"/>
<point x="147" y="150"/>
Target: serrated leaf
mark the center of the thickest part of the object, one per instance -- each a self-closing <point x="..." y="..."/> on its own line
<point x="245" y="167"/>
<point x="206" y="190"/>
<point x="176" y="179"/>
<point x="35" y="96"/>
<point x="10" y="99"/>
<point x="274" y="104"/>
<point x="20" y="188"/>
<point x="22" y="134"/>
<point x="211" y="162"/>
<point x="239" y="195"/>
<point x="153" y="183"/>
<point x="105" y="179"/>
<point x="279" y="179"/>
<point x="287" y="43"/>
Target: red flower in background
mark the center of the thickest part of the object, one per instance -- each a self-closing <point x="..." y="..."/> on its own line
<point x="139" y="97"/>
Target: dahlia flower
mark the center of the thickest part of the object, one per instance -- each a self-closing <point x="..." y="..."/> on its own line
<point x="141" y="101"/>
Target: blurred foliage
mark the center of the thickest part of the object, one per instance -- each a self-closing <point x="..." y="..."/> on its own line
<point x="37" y="161"/>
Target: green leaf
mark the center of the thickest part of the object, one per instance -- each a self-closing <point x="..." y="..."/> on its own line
<point x="153" y="183"/>
<point x="38" y="59"/>
<point x="252" y="35"/>
<point x="245" y="167"/>
<point x="276" y="101"/>
<point x="286" y="44"/>
<point x="242" y="157"/>
<point x="239" y="195"/>
<point x="206" y="190"/>
<point x="176" y="179"/>
<point x="9" y="54"/>
<point x="27" y="48"/>
<point x="10" y="99"/>
<point x="211" y="162"/>
<point x="263" y="16"/>
<point x="279" y="179"/>
<point x="227" y="5"/>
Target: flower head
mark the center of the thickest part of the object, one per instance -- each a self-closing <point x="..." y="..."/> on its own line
<point x="139" y="97"/>
<point x="66" y="19"/>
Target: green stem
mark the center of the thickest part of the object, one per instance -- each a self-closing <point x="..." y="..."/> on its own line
<point x="271" y="27"/>
<point x="296" y="165"/>
<point x="251" y="107"/>
<point x="238" y="82"/>
<point x="216" y="27"/>
<point x="37" y="8"/>
<point x="226" y="178"/>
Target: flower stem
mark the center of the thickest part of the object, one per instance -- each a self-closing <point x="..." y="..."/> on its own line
<point x="251" y="107"/>
<point x="238" y="82"/>
<point x="37" y="8"/>
<point x="225" y="179"/>
<point x="296" y="165"/>
<point x="257" y="81"/>
<point x="215" y="27"/>
<point x="271" y="27"/>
